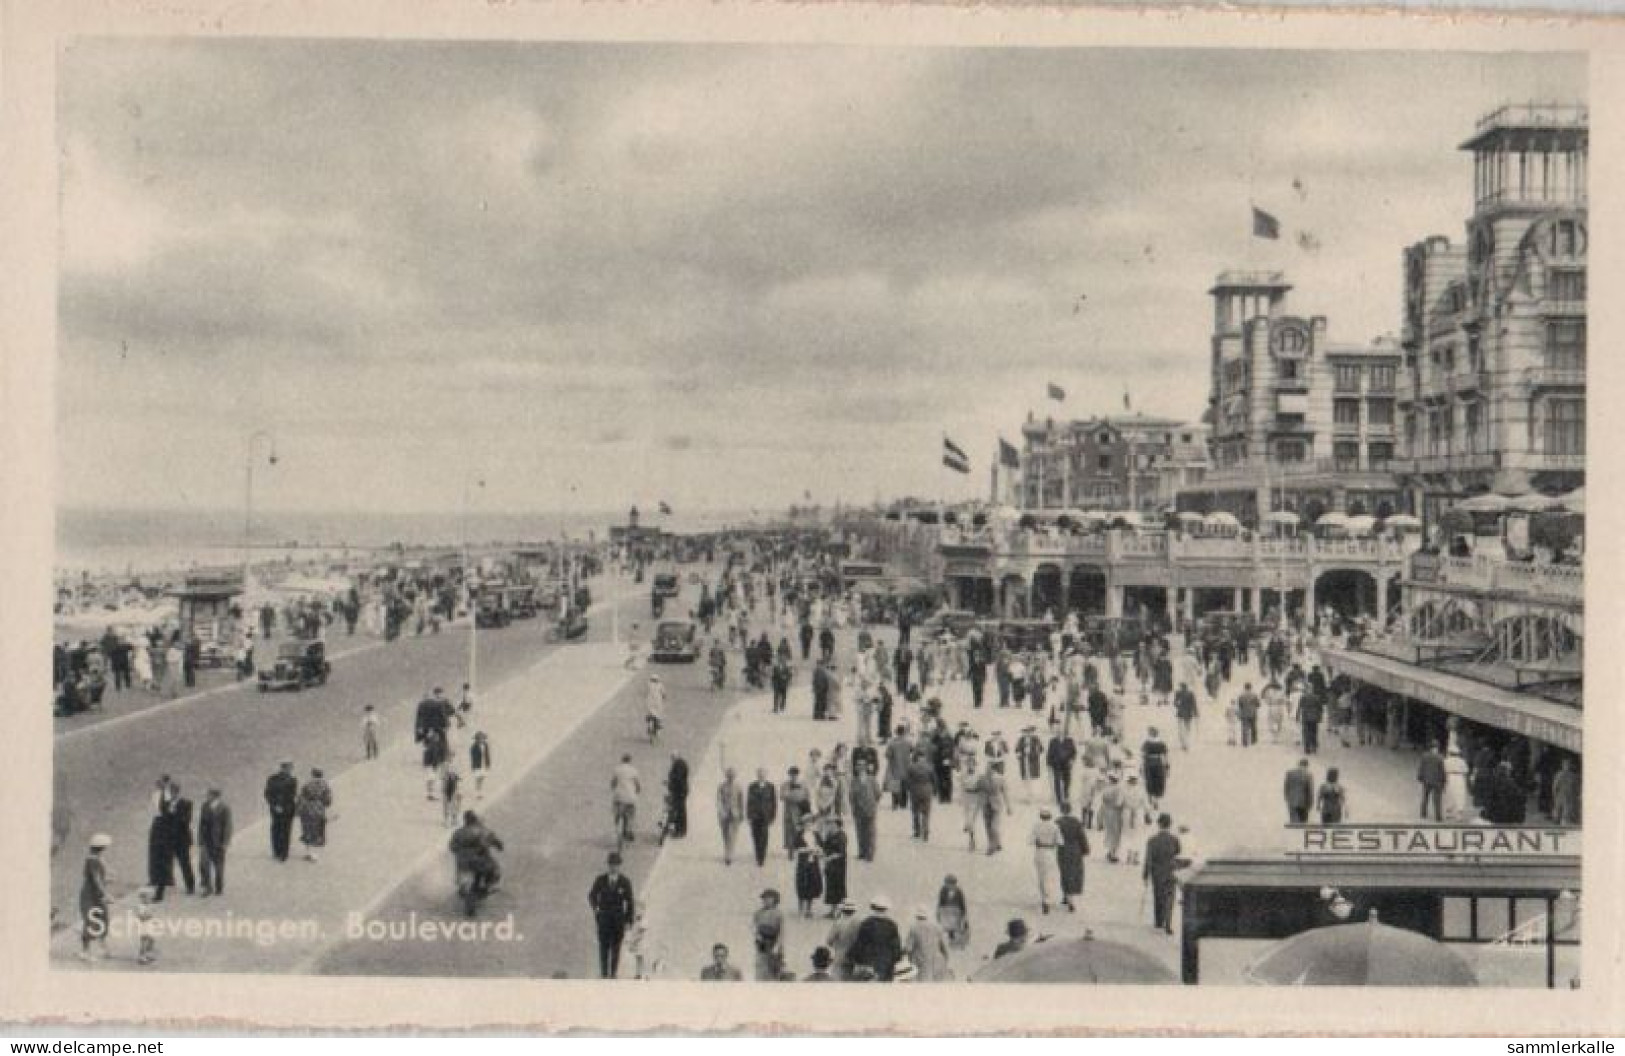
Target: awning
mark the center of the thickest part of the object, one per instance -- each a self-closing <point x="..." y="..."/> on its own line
<point x="1519" y="713"/>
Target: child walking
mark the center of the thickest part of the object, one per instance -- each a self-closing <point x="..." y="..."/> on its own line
<point x="479" y="761"/>
<point x="452" y="795"/>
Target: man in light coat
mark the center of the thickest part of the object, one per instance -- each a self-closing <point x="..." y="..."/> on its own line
<point x="730" y="812"/>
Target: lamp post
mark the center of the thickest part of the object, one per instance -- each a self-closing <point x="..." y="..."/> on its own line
<point x="469" y="483"/>
<point x="248" y="491"/>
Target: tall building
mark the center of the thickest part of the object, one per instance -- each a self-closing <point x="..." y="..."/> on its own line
<point x="1495" y="331"/>
<point x="1296" y="422"/>
<point x="1113" y="462"/>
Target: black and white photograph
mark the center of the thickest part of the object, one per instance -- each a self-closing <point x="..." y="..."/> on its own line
<point x="645" y="511"/>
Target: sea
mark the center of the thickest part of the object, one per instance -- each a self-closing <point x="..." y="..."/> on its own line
<point x="101" y="542"/>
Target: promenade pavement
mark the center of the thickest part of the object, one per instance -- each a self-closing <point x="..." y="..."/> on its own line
<point x="1229" y="796"/>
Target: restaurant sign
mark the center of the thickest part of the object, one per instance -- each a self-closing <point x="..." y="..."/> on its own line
<point x="1433" y="841"/>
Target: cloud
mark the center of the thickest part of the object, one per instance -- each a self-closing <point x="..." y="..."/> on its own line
<point x="704" y="268"/>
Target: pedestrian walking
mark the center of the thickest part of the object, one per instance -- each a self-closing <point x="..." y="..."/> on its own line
<point x="1162" y="853"/>
<point x="281" y="799"/>
<point x="730" y="812"/>
<point x="451" y="797"/>
<point x="369" y="732"/>
<point x="878" y="945"/>
<point x="767" y="925"/>
<point x="1430" y="774"/>
<point x="1311" y="708"/>
<point x="1298" y="789"/>
<point x="613" y="908"/>
<point x="995" y="805"/>
<point x="479" y="762"/>
<point x="1154" y="767"/>
<point x="1185" y="714"/>
<point x="832" y="856"/>
<point x="315" y="799"/>
<point x="953" y="915"/>
<point x="1113" y="815"/>
<point x="1332" y="799"/>
<point x="1247" y="707"/>
<point x="677" y="797"/>
<point x="160" y="833"/>
<point x="1029" y="761"/>
<point x="865" y="797"/>
<point x="795" y="803"/>
<point x="179" y="839"/>
<point x="94" y="897"/>
<point x="1069" y="855"/>
<point x="761" y="810"/>
<point x="927" y="948"/>
<point x="921" y="783"/>
<point x="1566" y="794"/>
<point x="214" y="831"/>
<point x="1045" y="838"/>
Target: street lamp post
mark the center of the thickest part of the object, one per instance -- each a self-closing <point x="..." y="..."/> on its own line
<point x="248" y="492"/>
<point x="469" y="483"/>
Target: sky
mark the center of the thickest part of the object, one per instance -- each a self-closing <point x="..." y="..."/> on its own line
<point x="723" y="276"/>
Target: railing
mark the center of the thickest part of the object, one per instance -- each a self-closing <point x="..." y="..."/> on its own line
<point x="1483" y="572"/>
<point x="1132" y="544"/>
<point x="1555" y="377"/>
<point x="1540" y="115"/>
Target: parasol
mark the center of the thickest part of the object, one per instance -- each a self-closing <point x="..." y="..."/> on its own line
<point x="1364" y="954"/>
<point x="1490" y="502"/>
<point x="1078" y="960"/>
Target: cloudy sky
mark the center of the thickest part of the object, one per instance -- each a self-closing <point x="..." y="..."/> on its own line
<point x="719" y="275"/>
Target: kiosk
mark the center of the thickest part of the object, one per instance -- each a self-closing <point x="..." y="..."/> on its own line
<point x="1469" y="884"/>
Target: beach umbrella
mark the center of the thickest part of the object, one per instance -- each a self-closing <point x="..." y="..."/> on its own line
<point x="1078" y="960"/>
<point x="1365" y="954"/>
<point x="1403" y="520"/>
<point x="1535" y="502"/>
<point x="1332" y="520"/>
<point x="1489" y="502"/>
<point x="1188" y="516"/>
<point x="1281" y="517"/>
<point x="1361" y="525"/>
<point x="1221" y="519"/>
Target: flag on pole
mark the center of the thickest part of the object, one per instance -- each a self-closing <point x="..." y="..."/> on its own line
<point x="1127" y="406"/>
<point x="664" y="508"/>
<point x="1056" y="392"/>
<point x="954" y="457"/>
<point x="1265" y="225"/>
<point x="1008" y="455"/>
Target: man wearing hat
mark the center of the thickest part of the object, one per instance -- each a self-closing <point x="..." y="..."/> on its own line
<point x="927" y="947"/>
<point x="213" y="837"/>
<point x="878" y="945"/>
<point x="612" y="910"/>
<point x="767" y="925"/>
<point x="281" y="797"/>
<point x="1046" y="836"/>
<point x="1016" y="931"/>
<point x="1162" y="852"/>
<point x="761" y="808"/>
<point x="842" y="934"/>
<point x="821" y="960"/>
<point x="1029" y="759"/>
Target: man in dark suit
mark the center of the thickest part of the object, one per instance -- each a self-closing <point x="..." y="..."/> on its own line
<point x="761" y="808"/>
<point x="281" y="792"/>
<point x="1060" y="755"/>
<point x="612" y="910"/>
<point x="1298" y="789"/>
<point x="820" y="690"/>
<point x="1161" y="862"/>
<point x="180" y="837"/>
<point x="1430" y="774"/>
<point x="677" y="796"/>
<point x="878" y="945"/>
<point x="213" y="837"/>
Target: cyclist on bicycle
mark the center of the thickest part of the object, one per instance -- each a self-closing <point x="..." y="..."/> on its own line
<point x="624" y="788"/>
<point x="654" y="705"/>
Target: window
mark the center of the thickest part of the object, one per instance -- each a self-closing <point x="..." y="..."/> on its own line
<point x="1105" y="439"/>
<point x="1567" y="284"/>
<point x="1410" y="432"/>
<point x="1566" y="427"/>
<point x="1290" y="451"/>
<point x="1473" y="415"/>
<point x="1104" y="462"/>
<point x="1289" y="421"/>
<point x="1475" y="353"/>
<point x="1346" y="413"/>
<point x="1380" y="412"/>
<point x="1566" y="344"/>
<point x="1347" y="378"/>
<point x="1289" y="369"/>
<point x="1382" y="378"/>
<point x="1346" y="456"/>
<point x="1380" y="454"/>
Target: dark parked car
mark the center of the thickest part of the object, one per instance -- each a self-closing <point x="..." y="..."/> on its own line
<point x="665" y="586"/>
<point x="298" y="664"/>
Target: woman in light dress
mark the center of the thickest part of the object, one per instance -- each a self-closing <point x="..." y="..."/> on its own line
<point x="1455" y="786"/>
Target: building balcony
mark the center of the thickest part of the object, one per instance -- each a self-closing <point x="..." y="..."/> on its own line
<point x="1555" y="377"/>
<point x="1541" y="461"/>
<point x="1456" y="462"/>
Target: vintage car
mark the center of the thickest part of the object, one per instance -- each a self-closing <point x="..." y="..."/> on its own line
<point x="676" y="642"/>
<point x="521" y="602"/>
<point x="1026" y="635"/>
<point x="491" y="609"/>
<point x="298" y="664"/>
<point x="665" y="586"/>
<point x="956" y="622"/>
<point x="570" y="628"/>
